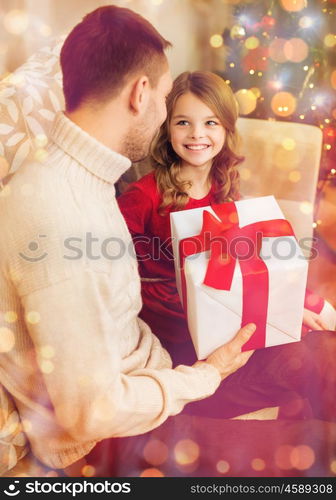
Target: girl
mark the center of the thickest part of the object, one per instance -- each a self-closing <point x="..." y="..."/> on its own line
<point x="195" y="159"/>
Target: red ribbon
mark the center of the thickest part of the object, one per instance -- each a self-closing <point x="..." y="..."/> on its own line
<point x="228" y="243"/>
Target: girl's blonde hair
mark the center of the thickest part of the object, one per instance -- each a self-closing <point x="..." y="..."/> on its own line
<point x="212" y="90"/>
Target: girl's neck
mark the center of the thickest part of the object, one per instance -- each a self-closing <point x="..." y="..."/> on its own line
<point x="199" y="178"/>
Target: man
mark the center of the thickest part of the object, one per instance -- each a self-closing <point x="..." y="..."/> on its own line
<point x="78" y="362"/>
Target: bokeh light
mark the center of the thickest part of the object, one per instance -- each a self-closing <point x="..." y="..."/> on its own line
<point x="330" y="40"/>
<point x="245" y="173"/>
<point x="284" y="159"/>
<point x="296" y="50"/>
<point x="247" y="101"/>
<point x="302" y="457"/>
<point x="252" y="42"/>
<point x="275" y="84"/>
<point x="256" y="92"/>
<point x="40" y="140"/>
<point x="33" y="317"/>
<point x="233" y="217"/>
<point x="306" y="22"/>
<point x="320" y="99"/>
<point x="289" y="144"/>
<point x="258" y="464"/>
<point x="10" y="316"/>
<point x="216" y="41"/>
<point x="237" y="32"/>
<point x="16" y="22"/>
<point x="333" y="466"/>
<point x="332" y="81"/>
<point x="223" y="466"/>
<point x="41" y="155"/>
<point x="294" y="5"/>
<point x="47" y="351"/>
<point x="51" y="473"/>
<point x="294" y="176"/>
<point x="88" y="471"/>
<point x="17" y="79"/>
<point x="26" y="425"/>
<point x="186" y="452"/>
<point x="268" y="21"/>
<point x="283" y="104"/>
<point x="155" y="452"/>
<point x="294" y="407"/>
<point x="7" y="339"/>
<point x="306" y="207"/>
<point x="276" y="50"/>
<point x="312" y="299"/>
<point x="46" y="366"/>
<point x="295" y="363"/>
<point x="151" y="472"/>
<point x="13" y="272"/>
<point x="45" y="30"/>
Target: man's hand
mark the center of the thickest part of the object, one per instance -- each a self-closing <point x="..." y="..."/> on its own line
<point x="313" y="320"/>
<point x="228" y="358"/>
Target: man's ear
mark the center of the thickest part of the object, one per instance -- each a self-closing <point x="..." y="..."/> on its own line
<point x="139" y="95"/>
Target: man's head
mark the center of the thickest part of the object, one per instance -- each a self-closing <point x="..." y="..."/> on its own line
<point x="115" y="54"/>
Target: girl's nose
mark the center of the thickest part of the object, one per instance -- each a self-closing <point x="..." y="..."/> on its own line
<point x="197" y="132"/>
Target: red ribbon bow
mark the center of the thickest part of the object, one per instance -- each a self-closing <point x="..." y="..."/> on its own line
<point x="229" y="243"/>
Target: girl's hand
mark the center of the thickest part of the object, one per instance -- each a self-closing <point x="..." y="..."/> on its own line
<point x="313" y="320"/>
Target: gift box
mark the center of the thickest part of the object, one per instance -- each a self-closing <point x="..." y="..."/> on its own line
<point x="238" y="263"/>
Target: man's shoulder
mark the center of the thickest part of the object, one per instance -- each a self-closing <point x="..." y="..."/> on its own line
<point x="33" y="185"/>
<point x="36" y="214"/>
<point x="34" y="198"/>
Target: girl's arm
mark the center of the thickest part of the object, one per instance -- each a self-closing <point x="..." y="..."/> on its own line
<point x="136" y="206"/>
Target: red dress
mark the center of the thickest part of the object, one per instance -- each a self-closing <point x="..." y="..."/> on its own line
<point x="150" y="231"/>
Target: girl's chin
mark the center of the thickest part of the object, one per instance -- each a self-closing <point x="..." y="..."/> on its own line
<point x="197" y="159"/>
<point x="196" y="164"/>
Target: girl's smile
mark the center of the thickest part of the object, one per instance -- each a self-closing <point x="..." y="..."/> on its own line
<point x="197" y="147"/>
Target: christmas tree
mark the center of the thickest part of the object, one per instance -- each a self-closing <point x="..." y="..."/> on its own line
<point x="281" y="65"/>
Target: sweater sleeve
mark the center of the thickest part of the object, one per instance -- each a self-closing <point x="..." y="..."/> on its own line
<point x="94" y="392"/>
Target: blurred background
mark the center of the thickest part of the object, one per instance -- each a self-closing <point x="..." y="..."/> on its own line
<point x="278" y="56"/>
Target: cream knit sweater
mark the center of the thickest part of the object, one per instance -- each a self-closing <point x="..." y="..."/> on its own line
<point x="78" y="361"/>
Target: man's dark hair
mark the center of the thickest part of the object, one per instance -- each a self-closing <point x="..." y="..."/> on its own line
<point x="107" y="46"/>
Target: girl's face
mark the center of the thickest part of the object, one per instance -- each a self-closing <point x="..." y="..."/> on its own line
<point x="196" y="134"/>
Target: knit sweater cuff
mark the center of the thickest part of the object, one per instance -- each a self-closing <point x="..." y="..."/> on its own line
<point x="210" y="373"/>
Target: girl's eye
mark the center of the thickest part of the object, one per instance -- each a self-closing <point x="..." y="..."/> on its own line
<point x="182" y="122"/>
<point x="211" y="122"/>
